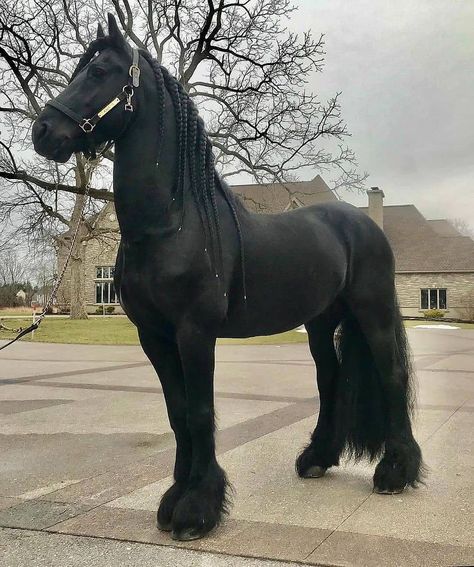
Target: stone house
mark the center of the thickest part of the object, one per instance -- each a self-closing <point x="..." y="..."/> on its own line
<point x="98" y="261"/>
<point x="434" y="262"/>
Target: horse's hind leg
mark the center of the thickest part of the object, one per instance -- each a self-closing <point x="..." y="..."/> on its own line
<point x="378" y="316"/>
<point x="325" y="447"/>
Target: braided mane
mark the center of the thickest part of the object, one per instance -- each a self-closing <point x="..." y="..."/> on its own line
<point x="195" y="149"/>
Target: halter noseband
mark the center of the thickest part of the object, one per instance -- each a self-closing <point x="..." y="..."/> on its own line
<point x="88" y="124"/>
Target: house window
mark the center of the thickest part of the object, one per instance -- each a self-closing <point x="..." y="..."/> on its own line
<point x="104" y="285"/>
<point x="433" y="298"/>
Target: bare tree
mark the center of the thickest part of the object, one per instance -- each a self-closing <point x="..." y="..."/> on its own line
<point x="247" y="72"/>
<point x="462" y="227"/>
<point x="14" y="285"/>
<point x="12" y="270"/>
<point x="41" y="200"/>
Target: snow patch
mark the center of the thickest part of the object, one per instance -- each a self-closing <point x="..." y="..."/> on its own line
<point x="436" y="327"/>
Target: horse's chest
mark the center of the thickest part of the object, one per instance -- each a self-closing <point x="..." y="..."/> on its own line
<point x="154" y="288"/>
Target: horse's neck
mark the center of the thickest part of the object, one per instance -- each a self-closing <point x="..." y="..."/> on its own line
<point x="144" y="190"/>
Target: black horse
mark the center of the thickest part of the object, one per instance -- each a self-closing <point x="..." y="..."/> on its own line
<point x="194" y="265"/>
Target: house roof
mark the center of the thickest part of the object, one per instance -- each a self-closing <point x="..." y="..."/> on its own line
<point x="276" y="197"/>
<point x="444" y="228"/>
<point x="421" y="245"/>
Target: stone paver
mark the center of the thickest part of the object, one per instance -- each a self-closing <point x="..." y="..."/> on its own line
<point x="42" y="549"/>
<point x="87" y="452"/>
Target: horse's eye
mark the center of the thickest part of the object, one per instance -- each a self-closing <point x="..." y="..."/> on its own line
<point x="97" y="72"/>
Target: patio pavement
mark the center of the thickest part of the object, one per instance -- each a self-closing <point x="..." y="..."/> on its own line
<point x="87" y="451"/>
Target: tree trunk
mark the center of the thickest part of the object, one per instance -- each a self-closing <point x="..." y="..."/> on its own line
<point x="78" y="300"/>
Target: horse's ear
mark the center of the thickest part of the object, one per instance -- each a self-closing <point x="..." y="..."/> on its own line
<point x="100" y="32"/>
<point x="114" y="33"/>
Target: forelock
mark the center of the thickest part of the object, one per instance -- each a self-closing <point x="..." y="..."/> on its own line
<point x="95" y="46"/>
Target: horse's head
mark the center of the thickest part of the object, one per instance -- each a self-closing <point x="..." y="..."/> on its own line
<point x="87" y="113"/>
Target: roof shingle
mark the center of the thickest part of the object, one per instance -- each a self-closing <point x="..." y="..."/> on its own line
<point x="420" y="246"/>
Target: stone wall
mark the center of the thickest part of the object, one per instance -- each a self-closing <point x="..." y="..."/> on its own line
<point x="459" y="286"/>
<point x="99" y="251"/>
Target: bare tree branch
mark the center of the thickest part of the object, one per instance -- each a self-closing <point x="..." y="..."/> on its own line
<point x="102" y="194"/>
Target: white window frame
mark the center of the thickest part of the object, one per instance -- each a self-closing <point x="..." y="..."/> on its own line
<point x="106" y="281"/>
<point x="437" y="290"/>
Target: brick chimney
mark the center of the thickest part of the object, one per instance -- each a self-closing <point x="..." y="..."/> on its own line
<point x="376" y="197"/>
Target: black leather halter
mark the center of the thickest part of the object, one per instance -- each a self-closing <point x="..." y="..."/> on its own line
<point x="88" y="124"/>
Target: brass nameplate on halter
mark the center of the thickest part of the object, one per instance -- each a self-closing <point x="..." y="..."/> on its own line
<point x="109" y="107"/>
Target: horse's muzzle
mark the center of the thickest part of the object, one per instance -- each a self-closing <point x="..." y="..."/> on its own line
<point x="52" y="138"/>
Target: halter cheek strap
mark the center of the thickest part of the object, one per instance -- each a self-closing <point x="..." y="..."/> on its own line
<point x="88" y="124"/>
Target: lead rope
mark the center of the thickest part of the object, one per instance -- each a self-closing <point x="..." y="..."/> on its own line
<point x="60" y="278"/>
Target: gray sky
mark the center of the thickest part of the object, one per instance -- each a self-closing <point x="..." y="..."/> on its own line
<point x="405" y="69"/>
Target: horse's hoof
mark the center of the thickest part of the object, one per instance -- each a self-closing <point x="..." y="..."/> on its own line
<point x="167" y="505"/>
<point x="186" y="535"/>
<point x="164" y="527"/>
<point x="388" y="491"/>
<point x="315" y="471"/>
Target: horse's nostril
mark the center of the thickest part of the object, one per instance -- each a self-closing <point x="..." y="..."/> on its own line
<point x="41" y="130"/>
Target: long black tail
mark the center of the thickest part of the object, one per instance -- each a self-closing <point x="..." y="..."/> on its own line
<point x="404" y="357"/>
<point x="362" y="405"/>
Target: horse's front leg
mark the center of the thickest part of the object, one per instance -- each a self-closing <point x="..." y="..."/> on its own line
<point x="164" y="356"/>
<point x="201" y="507"/>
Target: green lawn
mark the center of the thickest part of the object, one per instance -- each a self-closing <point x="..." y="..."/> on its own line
<point x="114" y="331"/>
<point x="100" y="330"/>
<point x="119" y="331"/>
<point x="16" y="311"/>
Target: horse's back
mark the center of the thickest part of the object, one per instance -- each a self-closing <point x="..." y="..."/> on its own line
<point x="297" y="264"/>
<point x="314" y="232"/>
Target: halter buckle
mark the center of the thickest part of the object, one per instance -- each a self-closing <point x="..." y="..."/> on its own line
<point x="86" y="125"/>
<point x="134" y="73"/>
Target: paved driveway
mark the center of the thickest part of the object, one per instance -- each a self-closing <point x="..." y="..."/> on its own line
<point x="87" y="451"/>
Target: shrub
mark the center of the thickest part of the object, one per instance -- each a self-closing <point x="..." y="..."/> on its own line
<point x="433" y="314"/>
<point x="99" y="311"/>
<point x="110" y="309"/>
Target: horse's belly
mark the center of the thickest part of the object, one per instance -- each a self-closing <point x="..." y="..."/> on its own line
<point x="268" y="312"/>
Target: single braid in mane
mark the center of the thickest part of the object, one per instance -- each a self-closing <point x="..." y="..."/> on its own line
<point x="210" y="171"/>
<point x="172" y="88"/>
<point x="202" y="186"/>
<point x="192" y="141"/>
<point x="157" y="70"/>
<point x="184" y="136"/>
<point x="231" y="202"/>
